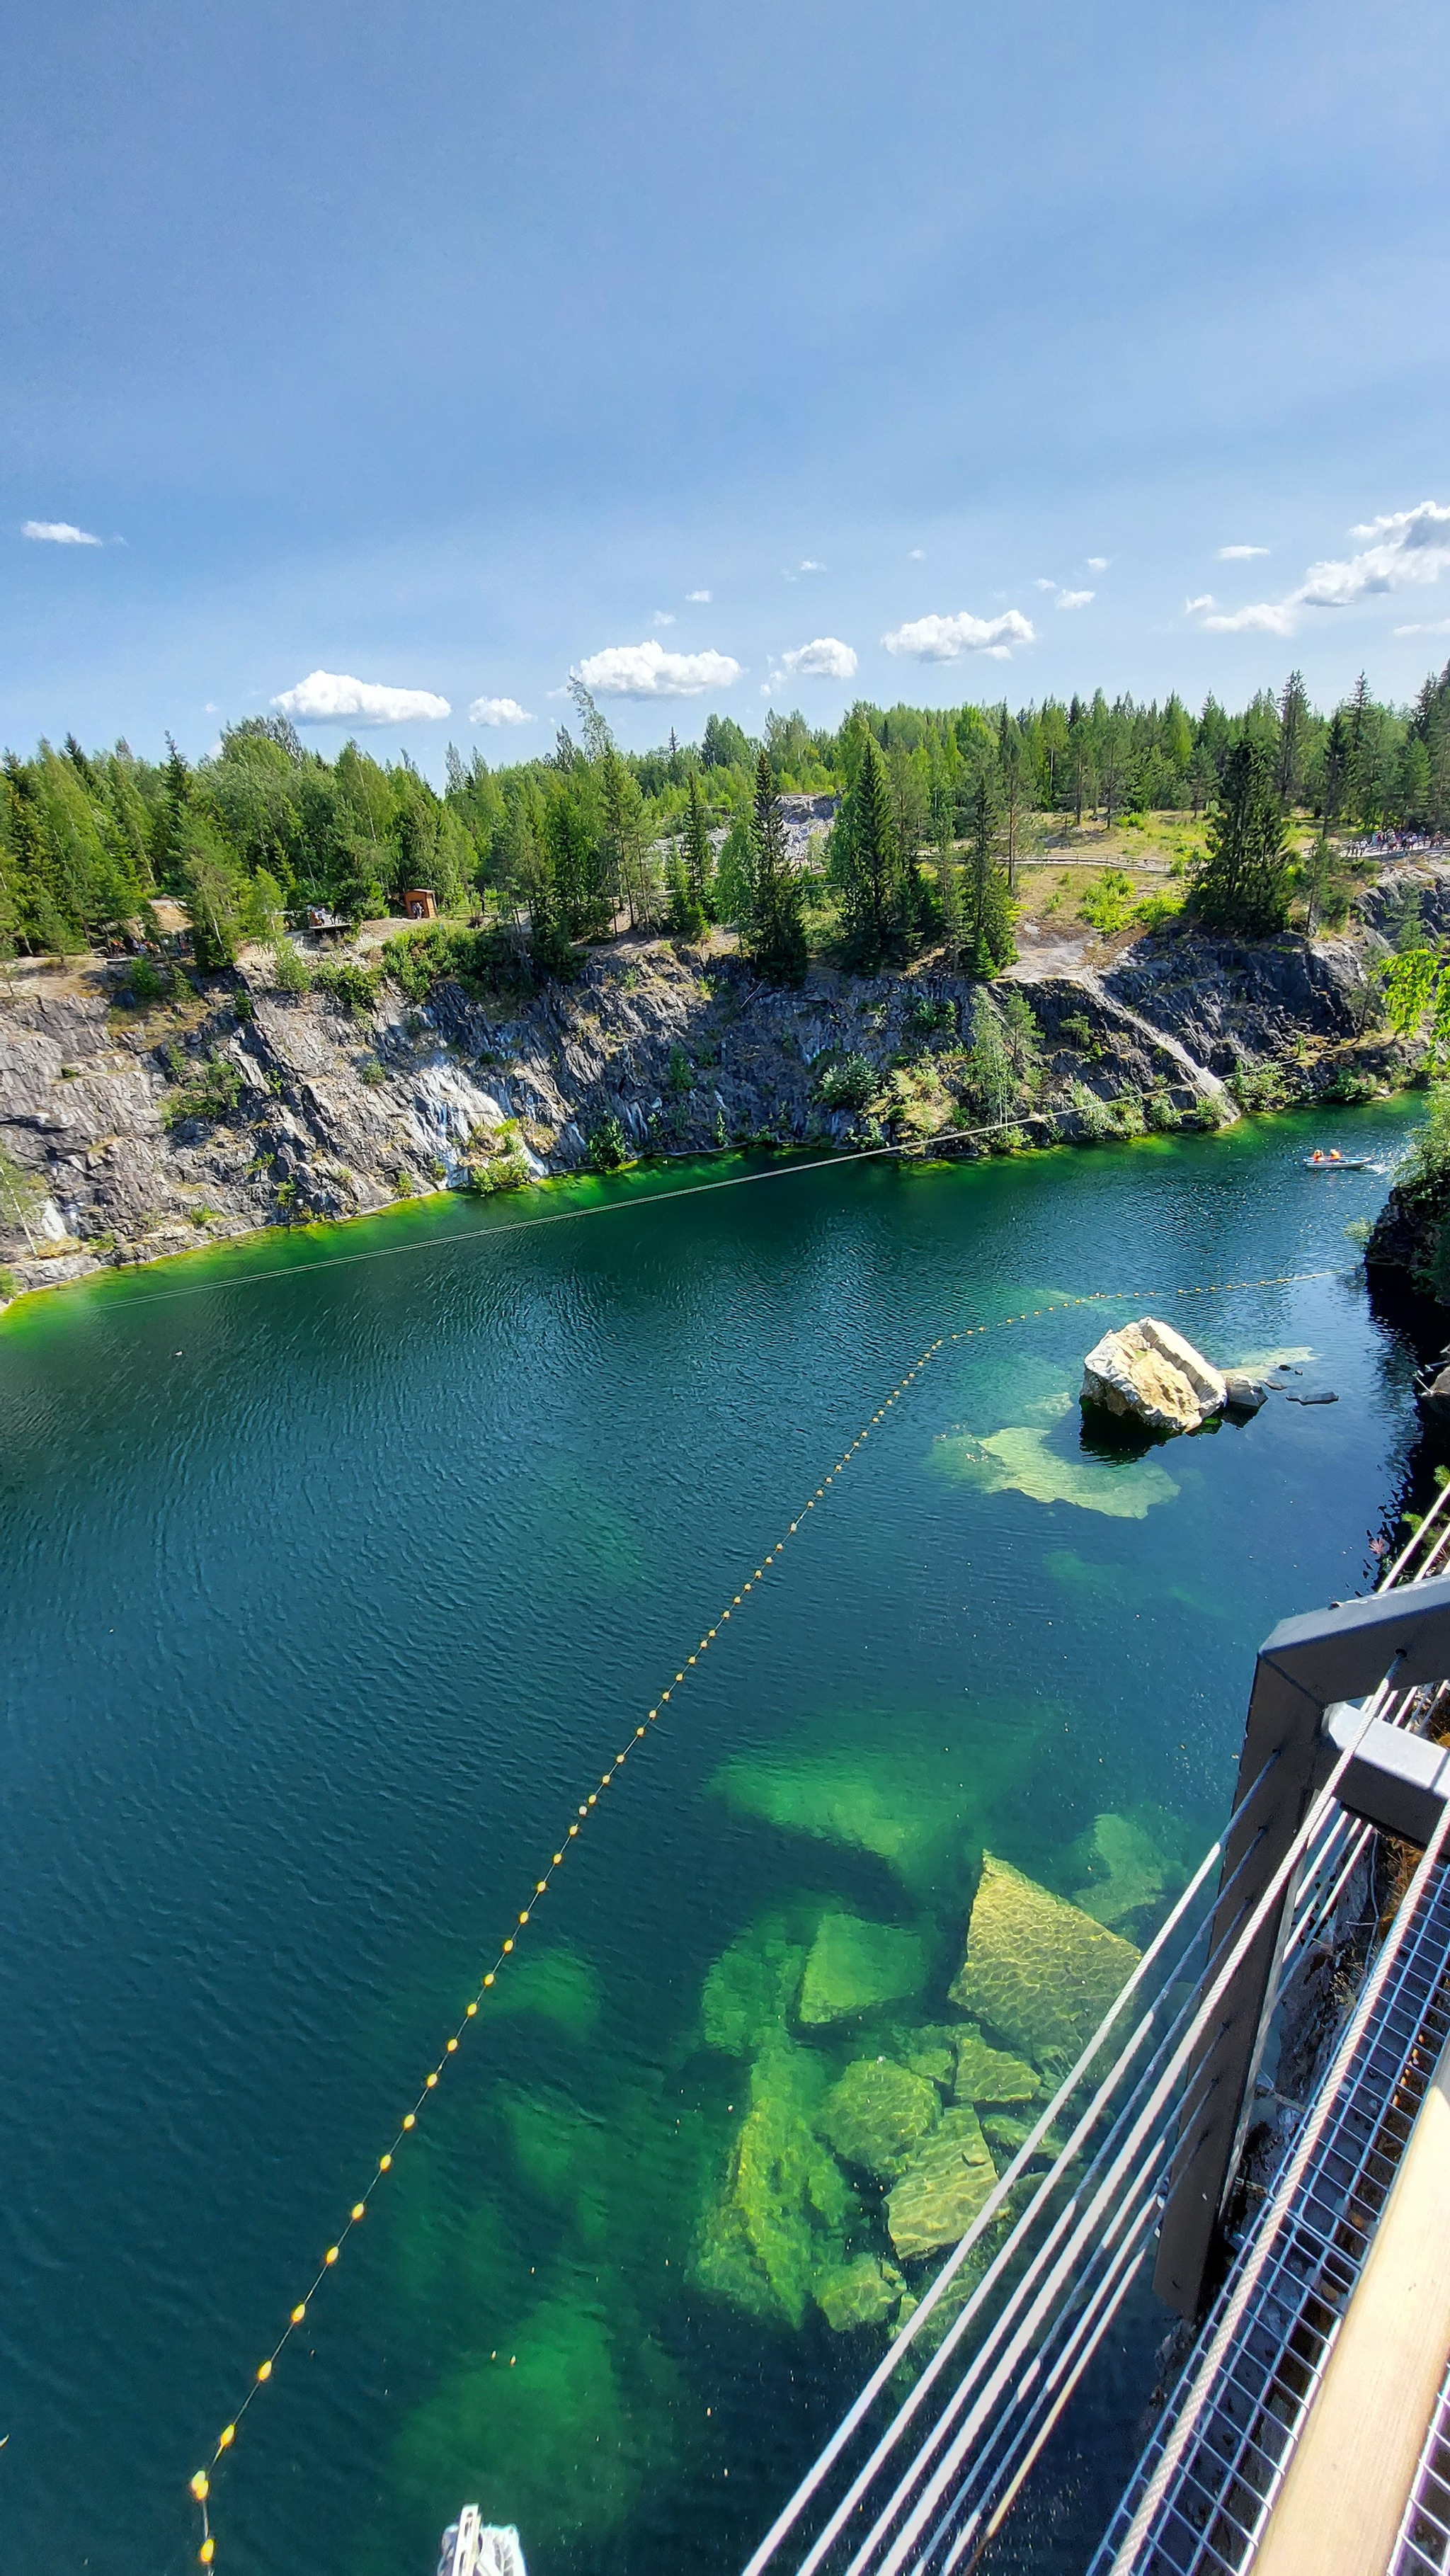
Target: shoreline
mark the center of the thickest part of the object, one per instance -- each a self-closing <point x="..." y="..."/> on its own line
<point x="773" y="1163"/>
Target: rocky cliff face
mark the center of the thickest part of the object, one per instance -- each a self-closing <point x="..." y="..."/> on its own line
<point x="142" y="1130"/>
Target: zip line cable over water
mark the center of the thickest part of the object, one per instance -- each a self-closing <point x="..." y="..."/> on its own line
<point x="589" y="1805"/>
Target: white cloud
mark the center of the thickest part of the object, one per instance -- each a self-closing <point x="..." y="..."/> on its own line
<point x="1404" y="547"/>
<point x="1042" y="583"/>
<point x="946" y="639"/>
<point x="498" y="711"/>
<point x="1265" y="617"/>
<point x="648" y="671"/>
<point x="825" y="659"/>
<point x="58" y="532"/>
<point x="1436" y="626"/>
<point x="664" y="617"/>
<point x="1098" y="563"/>
<point x="1075" y="598"/>
<point x="331" y="697"/>
<point x="1239" y="554"/>
<point x="808" y="566"/>
<point x="917" y="555"/>
<point x="697" y="598"/>
<point x="1191" y="607"/>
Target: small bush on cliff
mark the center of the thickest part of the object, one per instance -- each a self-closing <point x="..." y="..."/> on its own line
<point x="211" y="1092"/>
<point x="848" y="1084"/>
<point x="355" y="988"/>
<point x="608" y="1146"/>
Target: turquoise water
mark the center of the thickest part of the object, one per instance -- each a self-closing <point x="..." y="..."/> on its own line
<point x="331" y="1585"/>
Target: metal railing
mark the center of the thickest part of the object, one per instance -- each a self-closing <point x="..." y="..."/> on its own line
<point x="925" y="2465"/>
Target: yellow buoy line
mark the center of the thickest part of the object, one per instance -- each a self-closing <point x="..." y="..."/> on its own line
<point x="201" y="2481"/>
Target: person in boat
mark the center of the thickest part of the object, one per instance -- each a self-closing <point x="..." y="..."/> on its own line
<point x="1316" y="1156"/>
<point x="1335" y="1155"/>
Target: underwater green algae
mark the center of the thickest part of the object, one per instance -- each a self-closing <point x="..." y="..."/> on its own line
<point x="576" y="1537"/>
<point x="1020" y="1460"/>
<point x="1039" y="1972"/>
<point x="854" y="1965"/>
<point x="865" y="1781"/>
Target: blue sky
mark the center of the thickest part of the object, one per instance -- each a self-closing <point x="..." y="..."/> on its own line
<point x="443" y="350"/>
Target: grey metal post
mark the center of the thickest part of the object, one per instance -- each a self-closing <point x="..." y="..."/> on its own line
<point x="1304" y="1667"/>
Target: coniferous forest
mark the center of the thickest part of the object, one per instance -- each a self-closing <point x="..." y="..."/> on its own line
<point x="936" y="809"/>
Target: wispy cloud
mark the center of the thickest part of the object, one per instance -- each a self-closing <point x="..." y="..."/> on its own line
<point x="697" y="599"/>
<point x="664" y="617"/>
<point x="809" y="566"/>
<point x="825" y="659"/>
<point x="946" y="639"/>
<point x="1075" y="598"/>
<point x="1191" y="607"/>
<point x="1042" y="583"/>
<point x="1402" y="548"/>
<point x="58" y="532"/>
<point x="648" y="671"/>
<point x="333" y="697"/>
<point x="498" y="711"/>
<point x="917" y="555"/>
<point x="1098" y="563"/>
<point x="1239" y="554"/>
<point x="1434" y="626"/>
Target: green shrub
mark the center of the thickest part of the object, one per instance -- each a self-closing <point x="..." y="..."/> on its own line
<point x="353" y="987"/>
<point x="499" y="1172"/>
<point x="1108" y="901"/>
<point x="1078" y="1033"/>
<point x="608" y="1146"/>
<point x="1347" y="1085"/>
<point x="1258" y="1086"/>
<point x="927" y="1016"/>
<point x="372" y="1072"/>
<point x="1160" y="1113"/>
<point x="1096" y="1115"/>
<point x="1156" y="909"/>
<point x="405" y="1187"/>
<point x="680" y="1077"/>
<point x="211" y="1092"/>
<point x="481" y="961"/>
<point x="290" y="970"/>
<point x="149" y="980"/>
<point x="848" y="1084"/>
<point x="9" y="1284"/>
<point x="1128" y="1115"/>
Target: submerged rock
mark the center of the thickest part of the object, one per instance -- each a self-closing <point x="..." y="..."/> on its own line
<point x="1040" y="1972"/>
<point x="1123" y="1869"/>
<point x="943" y="2187"/>
<point x="1150" y="1372"/>
<point x="877" y="2114"/>
<point x="989" y="2075"/>
<point x="1023" y="1460"/>
<point x="749" y="1991"/>
<point x="862" y="2292"/>
<point x="854" y="1965"/>
<point x="930" y="2051"/>
<point x="786" y="2208"/>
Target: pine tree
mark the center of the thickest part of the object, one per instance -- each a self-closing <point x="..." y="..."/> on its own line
<point x="868" y="863"/>
<point x="1243" y="881"/>
<point x="697" y="853"/>
<point x="777" y="937"/>
<point x="986" y="905"/>
<point x="1293" y="712"/>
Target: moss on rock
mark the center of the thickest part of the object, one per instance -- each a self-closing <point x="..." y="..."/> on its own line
<point x="877" y="2114"/>
<point x="1039" y="1972"/>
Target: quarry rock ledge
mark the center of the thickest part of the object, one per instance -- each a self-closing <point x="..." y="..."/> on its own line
<point x="139" y="1131"/>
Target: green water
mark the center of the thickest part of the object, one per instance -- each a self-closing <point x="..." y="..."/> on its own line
<point x="330" y="1587"/>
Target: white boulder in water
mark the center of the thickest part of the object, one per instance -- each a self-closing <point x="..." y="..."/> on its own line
<point x="1147" y="1370"/>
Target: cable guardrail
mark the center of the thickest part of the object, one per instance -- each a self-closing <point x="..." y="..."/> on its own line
<point x="1035" y="2297"/>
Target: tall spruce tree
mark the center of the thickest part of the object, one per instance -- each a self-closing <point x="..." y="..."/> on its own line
<point x="697" y="854"/>
<point x="872" y="877"/>
<point x="1293" y="715"/>
<point x="1242" y="883"/>
<point x="777" y="936"/>
<point x="986" y="902"/>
